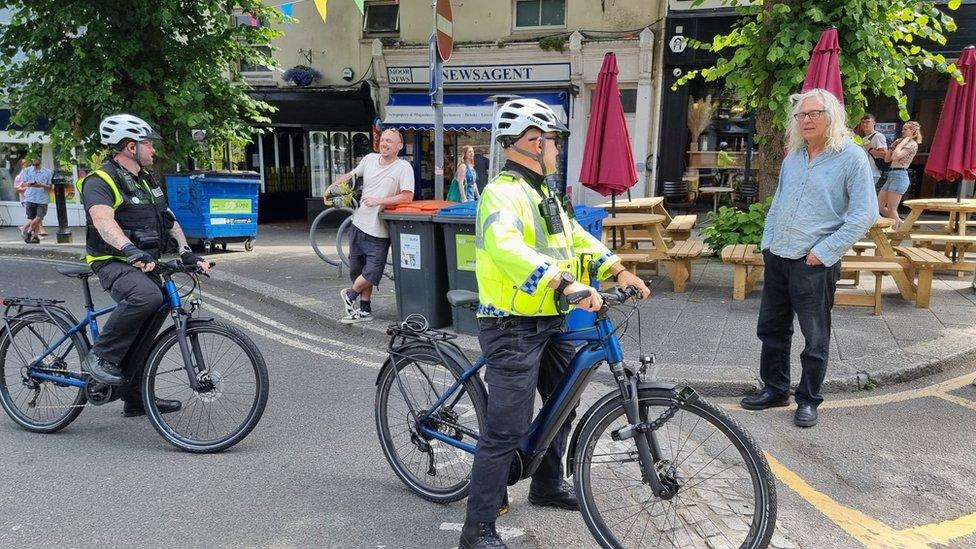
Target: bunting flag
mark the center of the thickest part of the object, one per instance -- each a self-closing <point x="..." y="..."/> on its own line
<point x="321" y="6"/>
<point x="286" y="9"/>
<point x="359" y="4"/>
<point x="253" y="20"/>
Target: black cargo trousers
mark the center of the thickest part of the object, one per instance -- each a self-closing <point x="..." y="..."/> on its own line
<point x="520" y="359"/>
<point x="139" y="297"/>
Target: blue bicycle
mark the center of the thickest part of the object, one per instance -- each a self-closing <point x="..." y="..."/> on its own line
<point x="214" y="370"/>
<point x="654" y="464"/>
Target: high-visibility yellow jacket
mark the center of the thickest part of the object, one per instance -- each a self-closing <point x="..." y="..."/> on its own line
<point x="517" y="258"/>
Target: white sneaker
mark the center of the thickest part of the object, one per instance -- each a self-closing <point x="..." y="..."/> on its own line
<point x="349" y="304"/>
<point x="355" y="317"/>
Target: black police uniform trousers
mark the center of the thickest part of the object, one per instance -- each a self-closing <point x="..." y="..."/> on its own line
<point x="520" y="359"/>
<point x="139" y="297"/>
<point x="791" y="287"/>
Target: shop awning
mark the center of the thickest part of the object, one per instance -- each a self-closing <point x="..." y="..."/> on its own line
<point x="462" y="111"/>
<point x="320" y="108"/>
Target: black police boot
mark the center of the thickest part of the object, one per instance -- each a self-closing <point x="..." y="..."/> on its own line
<point x="103" y="371"/>
<point x="768" y="398"/>
<point x="135" y="408"/>
<point x="805" y="416"/>
<point x="562" y="496"/>
<point x="480" y="535"/>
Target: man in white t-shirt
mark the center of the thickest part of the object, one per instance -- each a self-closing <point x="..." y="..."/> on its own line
<point x="387" y="180"/>
<point x="874" y="143"/>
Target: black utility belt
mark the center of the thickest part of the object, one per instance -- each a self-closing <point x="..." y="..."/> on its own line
<point x="897" y="169"/>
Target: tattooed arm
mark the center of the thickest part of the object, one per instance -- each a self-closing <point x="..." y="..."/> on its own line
<point x="103" y="218"/>
<point x="177" y="233"/>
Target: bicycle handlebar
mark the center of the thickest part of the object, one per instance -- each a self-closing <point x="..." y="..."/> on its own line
<point x="174" y="266"/>
<point x="616" y="296"/>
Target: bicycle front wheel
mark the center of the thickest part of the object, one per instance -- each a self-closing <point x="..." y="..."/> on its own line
<point x="431" y="468"/>
<point x="228" y="404"/>
<point x="725" y="496"/>
<point x="33" y="403"/>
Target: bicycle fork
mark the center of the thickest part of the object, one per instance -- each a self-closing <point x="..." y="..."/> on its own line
<point x="193" y="361"/>
<point x="643" y="431"/>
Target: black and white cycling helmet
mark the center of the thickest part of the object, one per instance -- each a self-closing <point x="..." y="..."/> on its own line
<point x="518" y="115"/>
<point x="118" y="127"/>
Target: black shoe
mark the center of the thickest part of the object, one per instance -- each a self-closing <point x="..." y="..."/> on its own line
<point x="480" y="535"/>
<point x="28" y="236"/>
<point x="766" y="399"/>
<point x="103" y="371"/>
<point x="562" y="496"/>
<point x="134" y="409"/>
<point x="806" y="415"/>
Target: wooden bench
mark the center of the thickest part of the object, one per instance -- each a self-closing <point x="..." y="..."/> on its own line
<point x="857" y="299"/>
<point x="747" y="263"/>
<point x="679" y="261"/>
<point x="924" y="262"/>
<point x="681" y="226"/>
<point x="941" y="224"/>
<point x="960" y="243"/>
<point x="859" y="249"/>
<point x="632" y="259"/>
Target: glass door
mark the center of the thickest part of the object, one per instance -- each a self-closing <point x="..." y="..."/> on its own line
<point x="340" y="154"/>
<point x="319" y="162"/>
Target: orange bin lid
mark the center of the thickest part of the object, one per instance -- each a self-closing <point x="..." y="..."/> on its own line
<point x="420" y="206"/>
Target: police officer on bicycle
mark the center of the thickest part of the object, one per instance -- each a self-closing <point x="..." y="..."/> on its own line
<point x="129" y="226"/>
<point x="530" y="250"/>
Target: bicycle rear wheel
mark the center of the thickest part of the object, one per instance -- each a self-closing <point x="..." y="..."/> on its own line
<point x="230" y="403"/>
<point x="434" y="470"/>
<point x="34" y="404"/>
<point x="725" y="496"/>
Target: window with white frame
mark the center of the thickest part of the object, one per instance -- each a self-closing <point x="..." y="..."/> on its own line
<point x="245" y="19"/>
<point x="381" y="18"/>
<point x="531" y="14"/>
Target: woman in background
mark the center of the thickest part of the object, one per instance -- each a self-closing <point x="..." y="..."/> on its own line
<point x="899" y="157"/>
<point x="467" y="176"/>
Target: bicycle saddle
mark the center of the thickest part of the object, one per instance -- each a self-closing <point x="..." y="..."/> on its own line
<point x="462" y="298"/>
<point x="79" y="271"/>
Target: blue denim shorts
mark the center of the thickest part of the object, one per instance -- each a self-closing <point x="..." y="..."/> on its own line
<point x="897" y="182"/>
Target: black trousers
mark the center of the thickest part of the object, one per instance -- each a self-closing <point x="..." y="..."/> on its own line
<point x="139" y="297"/>
<point x="520" y="359"/>
<point x="791" y="287"/>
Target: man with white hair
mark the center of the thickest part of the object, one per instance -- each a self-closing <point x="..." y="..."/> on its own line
<point x="824" y="203"/>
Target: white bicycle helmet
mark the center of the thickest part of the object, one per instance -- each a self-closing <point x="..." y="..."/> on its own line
<point x="518" y="115"/>
<point x="114" y="129"/>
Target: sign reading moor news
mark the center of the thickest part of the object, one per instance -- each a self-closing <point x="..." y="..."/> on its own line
<point x="483" y="74"/>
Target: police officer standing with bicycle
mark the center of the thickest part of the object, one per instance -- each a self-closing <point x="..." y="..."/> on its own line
<point x="529" y="252"/>
<point x="129" y="226"/>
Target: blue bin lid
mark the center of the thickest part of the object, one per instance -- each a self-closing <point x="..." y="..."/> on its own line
<point x="463" y="209"/>
<point x="589" y="212"/>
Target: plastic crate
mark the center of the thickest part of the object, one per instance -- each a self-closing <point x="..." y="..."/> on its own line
<point x="591" y="219"/>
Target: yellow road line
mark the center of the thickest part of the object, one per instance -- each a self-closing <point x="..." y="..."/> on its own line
<point x="870" y="532"/>
<point x="933" y="390"/>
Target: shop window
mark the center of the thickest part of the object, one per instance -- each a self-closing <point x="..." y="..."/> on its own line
<point x="381" y="18"/>
<point x="628" y="98"/>
<point x="540" y="13"/>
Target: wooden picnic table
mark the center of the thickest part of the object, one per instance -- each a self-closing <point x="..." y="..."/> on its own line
<point x="884" y="249"/>
<point x="649" y="222"/>
<point x="648" y="204"/>
<point x="958" y="212"/>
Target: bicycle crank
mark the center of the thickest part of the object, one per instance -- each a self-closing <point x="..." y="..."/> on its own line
<point x="99" y="393"/>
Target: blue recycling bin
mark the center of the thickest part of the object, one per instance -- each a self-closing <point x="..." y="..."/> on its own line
<point x="592" y="220"/>
<point x="457" y="226"/>
<point x="216" y="207"/>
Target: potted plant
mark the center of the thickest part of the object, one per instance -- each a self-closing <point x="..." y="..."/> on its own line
<point x="301" y="75"/>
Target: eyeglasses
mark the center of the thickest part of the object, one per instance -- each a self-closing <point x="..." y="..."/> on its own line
<point x="812" y="115"/>
<point x="555" y="138"/>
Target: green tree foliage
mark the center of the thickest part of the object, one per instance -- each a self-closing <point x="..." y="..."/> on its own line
<point x="764" y="57"/>
<point x="172" y="62"/>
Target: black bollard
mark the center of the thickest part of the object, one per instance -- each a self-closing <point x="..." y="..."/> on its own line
<point x="64" y="233"/>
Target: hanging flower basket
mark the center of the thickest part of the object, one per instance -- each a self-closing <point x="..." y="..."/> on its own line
<point x="301" y="75"/>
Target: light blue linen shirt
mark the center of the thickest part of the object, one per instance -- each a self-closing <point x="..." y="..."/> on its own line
<point x="37" y="195"/>
<point x="823" y="206"/>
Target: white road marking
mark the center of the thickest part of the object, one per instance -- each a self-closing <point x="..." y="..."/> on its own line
<point x="321" y="351"/>
<point x="357" y="349"/>
<point x="505" y="532"/>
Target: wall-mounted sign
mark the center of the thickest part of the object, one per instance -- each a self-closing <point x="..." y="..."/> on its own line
<point x="545" y="73"/>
